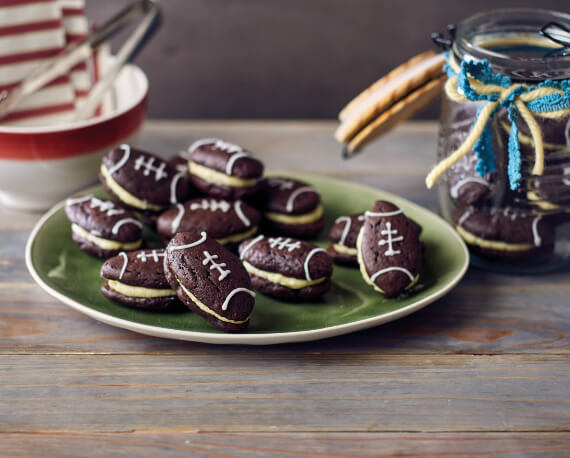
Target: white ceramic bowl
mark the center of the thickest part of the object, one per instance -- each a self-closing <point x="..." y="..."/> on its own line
<point x="41" y="165"/>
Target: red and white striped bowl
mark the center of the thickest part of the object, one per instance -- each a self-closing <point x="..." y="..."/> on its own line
<point x="41" y="165"/>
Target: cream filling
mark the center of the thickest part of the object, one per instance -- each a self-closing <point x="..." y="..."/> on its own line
<point x="280" y="279"/>
<point x="206" y="309"/>
<point x="213" y="176"/>
<point x="545" y="205"/>
<point x="139" y="291"/>
<point x="472" y="239"/>
<point x="343" y="249"/>
<point x="237" y="237"/>
<point x="105" y="244"/>
<point x="305" y="218"/>
<point x="363" y="267"/>
<point x="125" y="195"/>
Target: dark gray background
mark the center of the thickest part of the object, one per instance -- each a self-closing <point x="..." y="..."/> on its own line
<point x="285" y="58"/>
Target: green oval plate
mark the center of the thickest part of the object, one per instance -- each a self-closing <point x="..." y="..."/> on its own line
<point x="72" y="276"/>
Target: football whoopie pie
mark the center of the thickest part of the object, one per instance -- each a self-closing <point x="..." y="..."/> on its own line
<point x="291" y="207"/>
<point x="229" y="222"/>
<point x="389" y="249"/>
<point x="504" y="231"/>
<point x="136" y="279"/>
<point x="141" y="180"/>
<point x="210" y="280"/>
<point x="222" y="169"/>
<point x="101" y="228"/>
<point x="286" y="268"/>
<point x="466" y="186"/>
<point x="343" y="235"/>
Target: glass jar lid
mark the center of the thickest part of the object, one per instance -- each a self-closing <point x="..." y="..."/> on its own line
<point x="511" y="41"/>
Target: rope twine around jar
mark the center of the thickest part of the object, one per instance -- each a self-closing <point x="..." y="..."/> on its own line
<point x="475" y="82"/>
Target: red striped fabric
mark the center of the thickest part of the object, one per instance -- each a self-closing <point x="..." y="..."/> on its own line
<point x="37" y="112"/>
<point x="7" y="3"/>
<point x="31" y="36"/>
<point x="32" y="27"/>
<point x="56" y="82"/>
<point x="73" y="11"/>
<point x="29" y="56"/>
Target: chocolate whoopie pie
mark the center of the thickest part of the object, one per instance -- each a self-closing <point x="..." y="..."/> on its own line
<point x="141" y="180"/>
<point x="286" y="268"/>
<point x="504" y="231"/>
<point x="222" y="169"/>
<point x="389" y="249"/>
<point x="210" y="280"/>
<point x="551" y="191"/>
<point x="136" y="279"/>
<point x="291" y="207"/>
<point x="229" y="222"/>
<point x="466" y="186"/>
<point x="343" y="235"/>
<point x="101" y="228"/>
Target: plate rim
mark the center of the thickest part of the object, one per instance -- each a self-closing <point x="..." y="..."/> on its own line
<point x="270" y="338"/>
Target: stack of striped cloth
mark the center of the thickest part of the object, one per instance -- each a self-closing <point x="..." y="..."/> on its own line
<point x="31" y="33"/>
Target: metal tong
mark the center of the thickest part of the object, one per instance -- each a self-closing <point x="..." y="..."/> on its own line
<point x="78" y="52"/>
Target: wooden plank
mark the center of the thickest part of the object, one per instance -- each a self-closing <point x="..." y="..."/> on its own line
<point x="288" y="444"/>
<point x="251" y="391"/>
<point x="527" y="315"/>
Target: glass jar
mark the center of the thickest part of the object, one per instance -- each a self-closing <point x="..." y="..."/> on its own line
<point x="525" y="229"/>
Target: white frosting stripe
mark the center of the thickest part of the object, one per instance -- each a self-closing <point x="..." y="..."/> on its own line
<point x="465" y="216"/>
<point x="535" y="235"/>
<point x="123" y="255"/>
<point x="176" y="221"/>
<point x="384" y="214"/>
<point x="313" y="252"/>
<point x="346" y="229"/>
<point x="207" y="309"/>
<point x="203" y="237"/>
<point x="454" y="191"/>
<point x="78" y="200"/>
<point x="231" y="161"/>
<point x="118" y="224"/>
<point x="250" y="244"/>
<point x="391" y="269"/>
<point x="295" y="194"/>
<point x="233" y="293"/>
<point x="241" y="215"/>
<point x="566" y="173"/>
<point x="210" y="259"/>
<point x="122" y="161"/>
<point x="202" y="142"/>
<point x="174" y="186"/>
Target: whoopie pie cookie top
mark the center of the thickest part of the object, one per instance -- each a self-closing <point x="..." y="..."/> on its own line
<point x="225" y="157"/>
<point x="143" y="268"/>
<point x="219" y="218"/>
<point x="287" y="256"/>
<point x="103" y="218"/>
<point x="288" y="196"/>
<point x="519" y="228"/>
<point x="142" y="180"/>
<point x="209" y="279"/>
<point x="345" y="229"/>
<point x="389" y="249"/>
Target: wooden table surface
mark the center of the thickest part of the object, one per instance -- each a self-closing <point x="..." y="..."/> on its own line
<point x="484" y="370"/>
